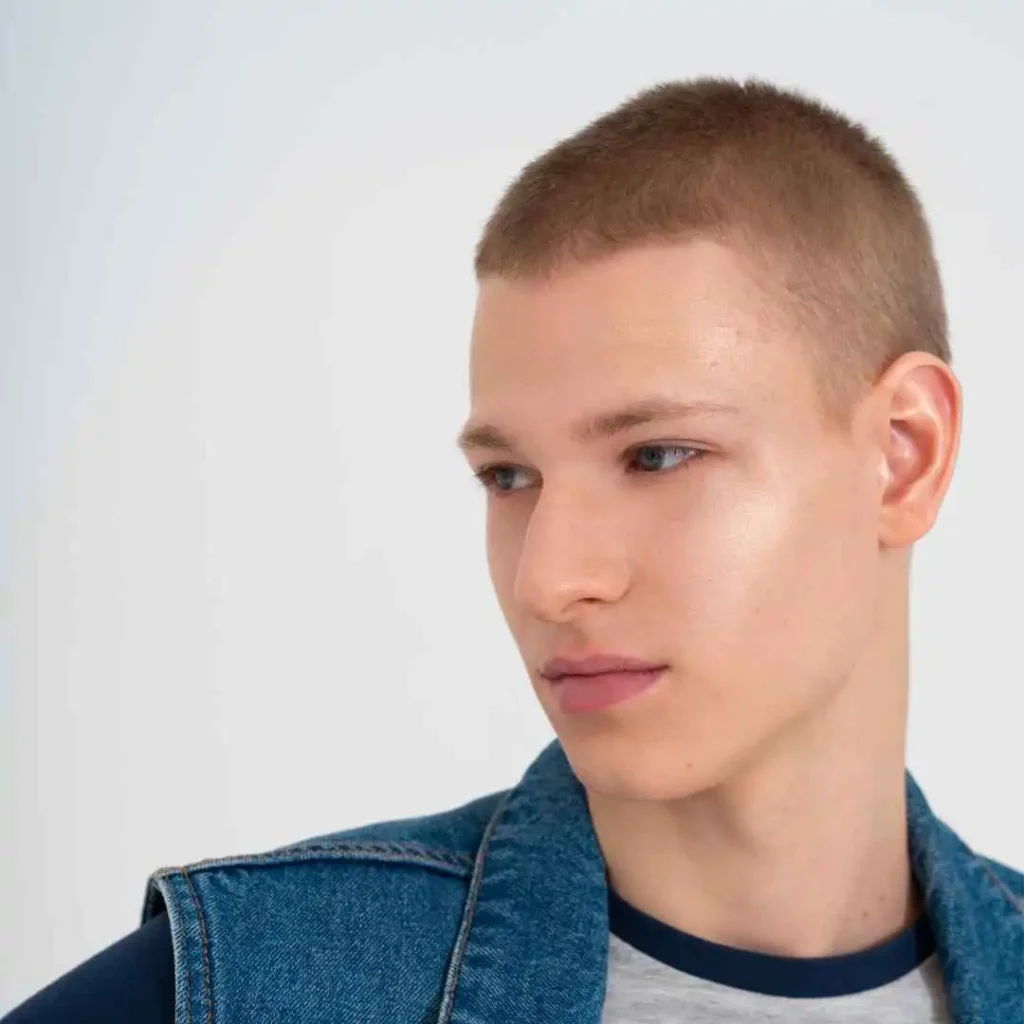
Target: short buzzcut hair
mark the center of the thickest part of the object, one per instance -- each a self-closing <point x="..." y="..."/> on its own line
<point x="816" y="200"/>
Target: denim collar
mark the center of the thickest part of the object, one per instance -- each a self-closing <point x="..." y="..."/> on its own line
<point x="535" y="937"/>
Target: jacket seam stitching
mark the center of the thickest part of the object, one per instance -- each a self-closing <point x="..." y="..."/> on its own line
<point x="414" y="848"/>
<point x="472" y="898"/>
<point x="183" y="931"/>
<point x="412" y="851"/>
<point x="208" y="994"/>
<point x="1011" y="897"/>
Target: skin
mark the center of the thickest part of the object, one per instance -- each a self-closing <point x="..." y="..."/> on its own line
<point x="754" y="796"/>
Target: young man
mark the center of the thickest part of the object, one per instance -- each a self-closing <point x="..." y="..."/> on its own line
<point x="713" y="411"/>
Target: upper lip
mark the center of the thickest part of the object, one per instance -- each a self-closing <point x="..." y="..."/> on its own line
<point x="595" y="665"/>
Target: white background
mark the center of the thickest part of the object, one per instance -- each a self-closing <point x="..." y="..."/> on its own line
<point x="243" y="595"/>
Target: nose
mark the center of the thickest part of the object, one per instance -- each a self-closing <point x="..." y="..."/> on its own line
<point x="572" y="556"/>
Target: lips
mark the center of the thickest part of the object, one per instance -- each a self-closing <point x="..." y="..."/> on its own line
<point x="594" y="684"/>
<point x="596" y="665"/>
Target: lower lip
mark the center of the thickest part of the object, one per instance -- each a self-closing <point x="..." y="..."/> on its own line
<point x="576" y="694"/>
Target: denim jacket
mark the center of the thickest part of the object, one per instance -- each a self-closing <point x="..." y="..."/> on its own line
<point x="496" y="912"/>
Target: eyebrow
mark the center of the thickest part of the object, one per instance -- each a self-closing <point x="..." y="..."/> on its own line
<point x="603" y="425"/>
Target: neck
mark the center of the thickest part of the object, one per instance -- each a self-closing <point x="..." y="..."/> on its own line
<point x="802" y="852"/>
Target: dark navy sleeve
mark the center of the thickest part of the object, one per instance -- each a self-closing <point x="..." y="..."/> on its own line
<point x="130" y="982"/>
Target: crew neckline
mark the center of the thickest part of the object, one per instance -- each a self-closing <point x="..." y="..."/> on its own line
<point x="767" y="973"/>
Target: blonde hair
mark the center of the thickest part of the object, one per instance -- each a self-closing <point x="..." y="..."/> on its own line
<point x="815" y="199"/>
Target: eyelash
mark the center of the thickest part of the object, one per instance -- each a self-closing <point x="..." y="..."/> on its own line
<point x="485" y="475"/>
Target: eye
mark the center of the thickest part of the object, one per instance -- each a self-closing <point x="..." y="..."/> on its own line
<point x="501" y="479"/>
<point x="498" y="478"/>
<point x="652" y="458"/>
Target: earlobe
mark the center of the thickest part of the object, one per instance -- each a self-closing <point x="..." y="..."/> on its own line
<point x="924" y="413"/>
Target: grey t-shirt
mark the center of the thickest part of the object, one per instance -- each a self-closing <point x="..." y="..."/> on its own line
<point x="657" y="975"/>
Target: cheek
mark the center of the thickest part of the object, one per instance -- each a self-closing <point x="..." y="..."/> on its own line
<point x="504" y="542"/>
<point x="716" y="565"/>
<point x="767" y="578"/>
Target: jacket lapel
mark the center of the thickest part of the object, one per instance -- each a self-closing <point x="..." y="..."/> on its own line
<point x="536" y="949"/>
<point x="534" y="945"/>
<point x="978" y="923"/>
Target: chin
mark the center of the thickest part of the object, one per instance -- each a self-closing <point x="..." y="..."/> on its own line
<point x="632" y="768"/>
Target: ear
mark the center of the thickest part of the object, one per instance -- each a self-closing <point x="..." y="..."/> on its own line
<point x="921" y="409"/>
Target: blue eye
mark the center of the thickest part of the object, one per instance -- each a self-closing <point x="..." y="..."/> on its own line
<point x="500" y="478"/>
<point x="650" y="458"/>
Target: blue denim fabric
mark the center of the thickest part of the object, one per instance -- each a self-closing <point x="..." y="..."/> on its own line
<point x="497" y="912"/>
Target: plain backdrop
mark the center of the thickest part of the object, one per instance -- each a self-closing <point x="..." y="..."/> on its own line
<point x="243" y="591"/>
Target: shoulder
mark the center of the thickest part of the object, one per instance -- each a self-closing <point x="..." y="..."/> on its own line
<point x="258" y="921"/>
<point x="449" y="835"/>
<point x="442" y="844"/>
<point x="446" y="841"/>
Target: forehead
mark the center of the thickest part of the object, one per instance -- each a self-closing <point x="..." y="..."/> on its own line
<point x="688" y="318"/>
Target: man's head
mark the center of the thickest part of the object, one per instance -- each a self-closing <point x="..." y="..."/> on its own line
<point x="711" y="403"/>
